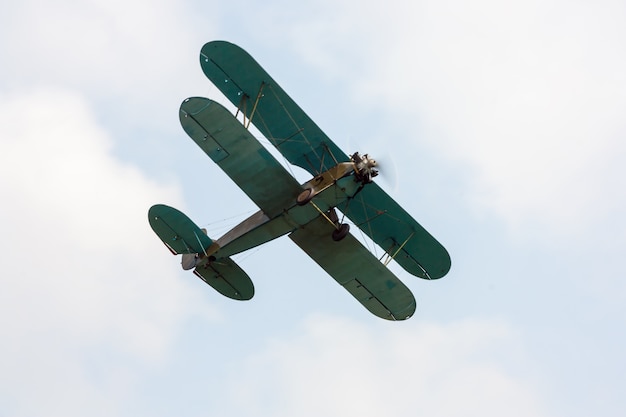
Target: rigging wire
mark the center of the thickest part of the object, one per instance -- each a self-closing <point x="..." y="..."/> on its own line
<point x="226" y="223"/>
<point x="240" y="257"/>
<point x="286" y="163"/>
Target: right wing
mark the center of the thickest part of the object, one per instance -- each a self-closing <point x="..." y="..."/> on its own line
<point x="395" y="231"/>
<point x="231" y="146"/>
<point x="249" y="87"/>
<point x="357" y="270"/>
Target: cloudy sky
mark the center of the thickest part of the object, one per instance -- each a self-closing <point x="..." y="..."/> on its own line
<point x="504" y="122"/>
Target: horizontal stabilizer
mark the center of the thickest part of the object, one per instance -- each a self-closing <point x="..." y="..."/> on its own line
<point x="177" y="231"/>
<point x="227" y="278"/>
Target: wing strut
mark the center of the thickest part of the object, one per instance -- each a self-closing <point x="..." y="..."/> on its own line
<point x="330" y="152"/>
<point x="198" y="239"/>
<point x="293" y="120"/>
<point x="277" y="144"/>
<point x="326" y="216"/>
<point x="389" y="257"/>
<point x="256" y="103"/>
<point x="242" y="106"/>
<point x="322" y="159"/>
<point x="313" y="168"/>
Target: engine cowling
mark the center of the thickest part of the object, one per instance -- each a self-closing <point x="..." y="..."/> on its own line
<point x="364" y="167"/>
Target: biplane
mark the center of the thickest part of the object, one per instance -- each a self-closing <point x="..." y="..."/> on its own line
<point x="311" y="214"/>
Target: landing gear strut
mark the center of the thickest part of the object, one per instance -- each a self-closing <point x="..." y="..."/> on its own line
<point x="342" y="231"/>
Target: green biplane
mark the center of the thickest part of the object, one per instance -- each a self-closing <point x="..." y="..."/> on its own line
<point x="311" y="213"/>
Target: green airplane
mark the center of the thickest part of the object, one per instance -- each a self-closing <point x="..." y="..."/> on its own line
<point x="311" y="214"/>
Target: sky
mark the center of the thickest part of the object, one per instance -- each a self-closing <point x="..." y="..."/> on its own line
<point x="502" y="130"/>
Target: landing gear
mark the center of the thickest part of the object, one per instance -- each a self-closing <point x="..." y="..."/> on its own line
<point x="342" y="231"/>
<point x="332" y="216"/>
<point x="304" y="197"/>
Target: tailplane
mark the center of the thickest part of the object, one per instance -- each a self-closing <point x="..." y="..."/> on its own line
<point x="183" y="237"/>
<point x="178" y="232"/>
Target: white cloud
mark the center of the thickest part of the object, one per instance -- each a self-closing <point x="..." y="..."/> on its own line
<point x="339" y="367"/>
<point x="533" y="104"/>
<point x="138" y="60"/>
<point x="82" y="273"/>
<point x="98" y="45"/>
<point x="530" y="96"/>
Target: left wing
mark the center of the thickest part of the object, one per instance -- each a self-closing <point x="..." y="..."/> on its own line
<point x="239" y="154"/>
<point x="357" y="270"/>
<point x="248" y="86"/>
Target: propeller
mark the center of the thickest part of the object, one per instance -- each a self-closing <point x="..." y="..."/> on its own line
<point x="368" y="168"/>
<point x="365" y="167"/>
<point x="386" y="165"/>
<point x="388" y="171"/>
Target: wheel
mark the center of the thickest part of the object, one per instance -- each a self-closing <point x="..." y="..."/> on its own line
<point x="341" y="232"/>
<point x="304" y="197"/>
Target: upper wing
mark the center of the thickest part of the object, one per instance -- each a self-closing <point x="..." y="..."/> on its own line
<point x="303" y="143"/>
<point x="357" y="270"/>
<point x="273" y="112"/>
<point x="396" y="232"/>
<point x="239" y="154"/>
